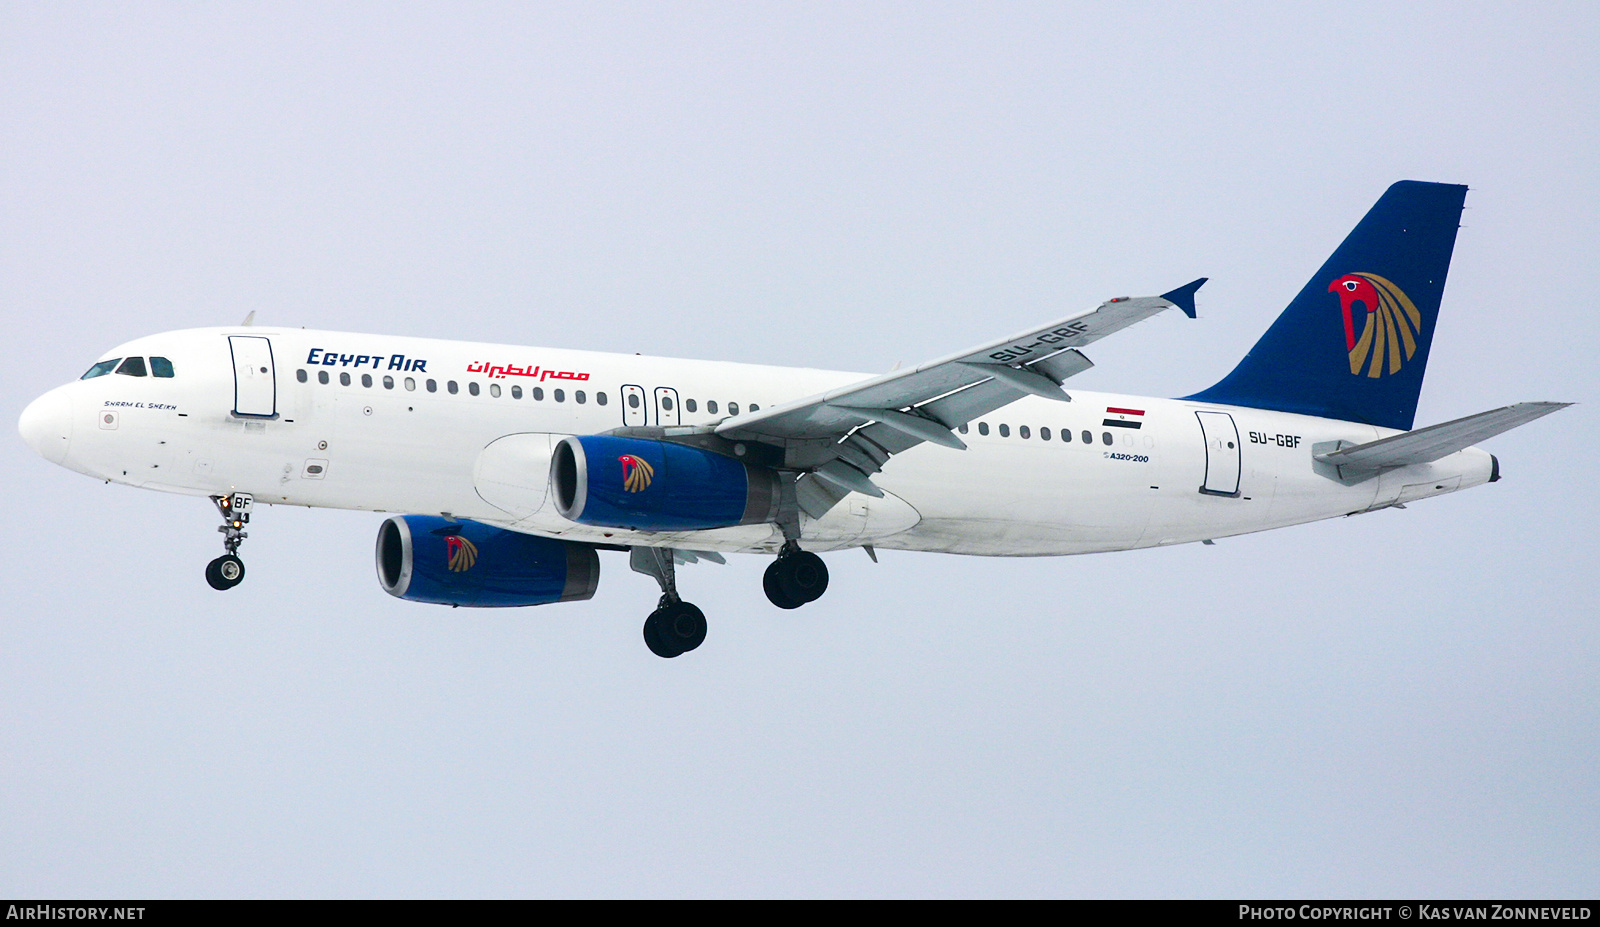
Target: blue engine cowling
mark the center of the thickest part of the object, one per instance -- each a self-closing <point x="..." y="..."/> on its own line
<point x="657" y="485"/>
<point x="424" y="558"/>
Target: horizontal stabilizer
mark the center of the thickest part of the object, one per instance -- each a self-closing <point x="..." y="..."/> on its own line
<point x="1435" y="441"/>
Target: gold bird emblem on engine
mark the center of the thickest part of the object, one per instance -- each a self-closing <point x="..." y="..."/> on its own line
<point x="636" y="473"/>
<point x="462" y="552"/>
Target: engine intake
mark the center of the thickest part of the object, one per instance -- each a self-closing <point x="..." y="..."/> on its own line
<point x="638" y="483"/>
<point x="424" y="558"/>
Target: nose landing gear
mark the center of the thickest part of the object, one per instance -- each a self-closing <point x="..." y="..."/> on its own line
<point x="227" y="571"/>
<point x="795" y="578"/>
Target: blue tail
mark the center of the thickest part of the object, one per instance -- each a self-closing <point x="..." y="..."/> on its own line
<point x="1353" y="345"/>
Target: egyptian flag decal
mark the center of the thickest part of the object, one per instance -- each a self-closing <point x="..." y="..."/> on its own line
<point x="1123" y="418"/>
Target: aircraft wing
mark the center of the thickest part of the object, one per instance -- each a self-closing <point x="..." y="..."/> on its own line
<point x="845" y="435"/>
<point x="1425" y="445"/>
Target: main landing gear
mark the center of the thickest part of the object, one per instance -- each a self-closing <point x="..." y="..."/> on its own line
<point x="675" y="627"/>
<point x="227" y="571"/>
<point x="795" y="578"/>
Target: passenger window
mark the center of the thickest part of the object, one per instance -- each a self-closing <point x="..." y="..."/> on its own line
<point x="494" y="390"/>
<point x="733" y="408"/>
<point x="666" y="402"/>
<point x="600" y="398"/>
<point x="516" y="392"/>
<point x="1088" y="438"/>
<point x="983" y="428"/>
<point x="1005" y="431"/>
<point x="538" y="393"/>
<point x="711" y="406"/>
<point x="633" y="400"/>
<point x="366" y="380"/>
<point x="754" y="407"/>
<point x="963" y="428"/>
<point x="1022" y="431"/>
<point x="1044" y="434"/>
<point x="689" y="404"/>
<point x="301" y="376"/>
<point x="411" y="384"/>
<point x="473" y="387"/>
<point x="161" y="367"/>
<point x="451" y="387"/>
<point x="344" y="379"/>
<point x="322" y="377"/>
<point x="433" y="386"/>
<point x="1106" y="438"/>
<point x="132" y="367"/>
<point x="580" y="397"/>
<point x="101" y="369"/>
<point x="560" y="395"/>
<point x="388" y="382"/>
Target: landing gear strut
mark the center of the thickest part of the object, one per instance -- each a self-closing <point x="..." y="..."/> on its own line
<point x="795" y="578"/>
<point x="675" y="627"/>
<point x="227" y="571"/>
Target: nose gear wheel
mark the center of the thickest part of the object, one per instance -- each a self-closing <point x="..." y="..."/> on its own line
<point x="225" y="572"/>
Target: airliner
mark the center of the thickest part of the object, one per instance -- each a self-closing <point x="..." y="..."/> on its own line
<point x="507" y="468"/>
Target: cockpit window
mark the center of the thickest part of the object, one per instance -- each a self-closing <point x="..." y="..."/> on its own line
<point x="132" y="367"/>
<point x="101" y="369"/>
<point x="161" y="367"/>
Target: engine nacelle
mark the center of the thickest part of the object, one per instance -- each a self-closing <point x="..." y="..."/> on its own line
<point x="657" y="485"/>
<point x="424" y="558"/>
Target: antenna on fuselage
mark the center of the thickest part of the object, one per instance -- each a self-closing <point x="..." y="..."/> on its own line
<point x="249" y="319"/>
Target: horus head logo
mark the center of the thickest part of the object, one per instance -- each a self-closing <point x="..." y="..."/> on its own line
<point x="462" y="553"/>
<point x="636" y="473"/>
<point x="1389" y="331"/>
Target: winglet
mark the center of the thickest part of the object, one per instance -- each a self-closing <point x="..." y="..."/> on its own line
<point x="1183" y="296"/>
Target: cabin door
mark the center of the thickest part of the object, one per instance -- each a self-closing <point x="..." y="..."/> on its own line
<point x="1222" y="453"/>
<point x="255" y="384"/>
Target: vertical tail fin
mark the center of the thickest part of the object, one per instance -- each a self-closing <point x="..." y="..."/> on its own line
<point x="1354" y="344"/>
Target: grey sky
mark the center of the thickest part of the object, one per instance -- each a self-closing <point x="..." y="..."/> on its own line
<point x="1403" y="703"/>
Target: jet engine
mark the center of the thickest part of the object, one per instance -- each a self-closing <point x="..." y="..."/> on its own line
<point x="424" y="558"/>
<point x="638" y="483"/>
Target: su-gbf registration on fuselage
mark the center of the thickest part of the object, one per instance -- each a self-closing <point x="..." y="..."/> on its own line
<point x="521" y="463"/>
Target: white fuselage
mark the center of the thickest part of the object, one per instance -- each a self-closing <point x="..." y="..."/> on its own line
<point x="480" y="453"/>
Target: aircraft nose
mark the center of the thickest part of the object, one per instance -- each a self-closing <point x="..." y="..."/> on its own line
<point x="46" y="425"/>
